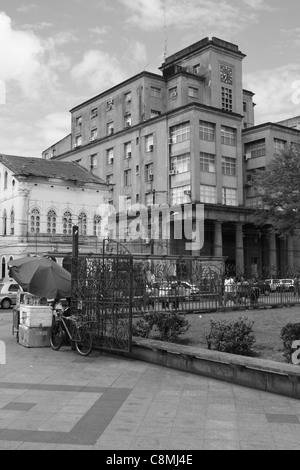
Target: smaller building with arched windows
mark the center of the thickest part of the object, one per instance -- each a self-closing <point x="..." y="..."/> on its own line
<point x="41" y="201"/>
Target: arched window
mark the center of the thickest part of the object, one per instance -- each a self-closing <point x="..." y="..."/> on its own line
<point x="5" y="180"/>
<point x="82" y="224"/>
<point x="51" y="221"/>
<point x="35" y="221"/>
<point x="12" y="222"/>
<point x="97" y="226"/>
<point x="4" y="222"/>
<point x="67" y="223"/>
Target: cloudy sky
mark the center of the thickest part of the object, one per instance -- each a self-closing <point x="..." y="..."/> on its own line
<point x="54" y="55"/>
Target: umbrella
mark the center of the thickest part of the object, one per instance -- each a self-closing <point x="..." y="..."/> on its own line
<point x="41" y="276"/>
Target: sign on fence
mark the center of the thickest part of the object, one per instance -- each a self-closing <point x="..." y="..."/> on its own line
<point x="2" y="353"/>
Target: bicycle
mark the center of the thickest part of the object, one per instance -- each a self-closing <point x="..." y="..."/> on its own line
<point x="78" y="334"/>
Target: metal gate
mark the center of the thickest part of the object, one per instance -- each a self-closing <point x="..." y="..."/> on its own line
<point x="102" y="293"/>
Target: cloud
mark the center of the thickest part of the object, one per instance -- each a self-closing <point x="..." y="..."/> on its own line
<point x="227" y="15"/>
<point x="275" y="91"/>
<point x="54" y="127"/>
<point x="136" y="55"/>
<point x="25" y="8"/>
<point x="23" y="59"/>
<point x="99" y="70"/>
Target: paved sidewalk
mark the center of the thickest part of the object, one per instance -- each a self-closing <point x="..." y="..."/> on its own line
<point x="59" y="400"/>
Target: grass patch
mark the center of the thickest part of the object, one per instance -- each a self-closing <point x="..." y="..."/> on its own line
<point x="267" y="327"/>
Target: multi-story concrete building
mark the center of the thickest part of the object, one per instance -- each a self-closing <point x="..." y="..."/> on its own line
<point x="40" y="202"/>
<point x="177" y="139"/>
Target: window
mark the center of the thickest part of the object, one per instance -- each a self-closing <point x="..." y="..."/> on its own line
<point x="193" y="92"/>
<point x="208" y="194"/>
<point x="149" y="143"/>
<point x="155" y="91"/>
<point x="226" y="98"/>
<point x="137" y="170"/>
<point x="5" y="180"/>
<point x="180" y="133"/>
<point x="244" y="106"/>
<point x="78" y="141"/>
<point x="127" y="120"/>
<point x="149" y="172"/>
<point x="229" y="197"/>
<point x="127" y="150"/>
<point x="228" y="135"/>
<point x="207" y="131"/>
<point x="78" y="120"/>
<point x="94" y="162"/>
<point x="109" y="104"/>
<point x="279" y="145"/>
<point x="181" y="195"/>
<point x="97" y="226"/>
<point x="110" y="156"/>
<point x="94" y="134"/>
<point x="137" y="198"/>
<point x="51" y="221"/>
<point x="181" y="163"/>
<point x="255" y="149"/>
<point x="109" y="179"/>
<point x="127" y="178"/>
<point x="82" y="224"/>
<point x="173" y="92"/>
<point x="67" y="223"/>
<point x="35" y="221"/>
<point x="149" y="199"/>
<point x="207" y="162"/>
<point x="154" y="113"/>
<point x="12" y="222"/>
<point x="229" y="166"/>
<point x="94" y="113"/>
<point x="128" y="97"/>
<point x="196" y="69"/>
<point x="110" y="128"/>
<point x="128" y="203"/>
<point x="4" y="222"/>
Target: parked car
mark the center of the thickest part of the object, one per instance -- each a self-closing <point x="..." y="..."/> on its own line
<point x="9" y="291"/>
<point x="286" y="285"/>
<point x="263" y="286"/>
<point x="273" y="283"/>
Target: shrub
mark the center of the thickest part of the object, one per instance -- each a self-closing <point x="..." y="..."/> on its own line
<point x="289" y="334"/>
<point x="170" y="325"/>
<point x="235" y="337"/>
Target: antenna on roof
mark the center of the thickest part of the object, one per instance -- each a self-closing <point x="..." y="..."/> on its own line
<point x="165" y="30"/>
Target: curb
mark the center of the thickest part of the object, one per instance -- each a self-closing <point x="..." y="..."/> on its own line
<point x="264" y="375"/>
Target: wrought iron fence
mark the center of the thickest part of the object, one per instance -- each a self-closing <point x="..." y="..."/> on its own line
<point x="112" y="287"/>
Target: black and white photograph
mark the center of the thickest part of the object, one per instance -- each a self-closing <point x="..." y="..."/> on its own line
<point x="149" y="228"/>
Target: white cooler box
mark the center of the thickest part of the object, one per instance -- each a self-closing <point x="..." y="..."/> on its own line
<point x="35" y="316"/>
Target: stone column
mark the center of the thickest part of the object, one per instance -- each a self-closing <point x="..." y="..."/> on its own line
<point x="23" y="211"/>
<point x="218" y="239"/>
<point x="272" y="254"/>
<point x="239" y="249"/>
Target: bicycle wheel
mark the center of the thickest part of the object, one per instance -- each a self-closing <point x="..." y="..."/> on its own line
<point x="56" y="335"/>
<point x="83" y="341"/>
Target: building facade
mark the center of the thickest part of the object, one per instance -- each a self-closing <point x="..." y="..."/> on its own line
<point x="40" y="202"/>
<point x="178" y="138"/>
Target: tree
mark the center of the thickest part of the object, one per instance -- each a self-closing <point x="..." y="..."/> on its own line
<point x="278" y="192"/>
